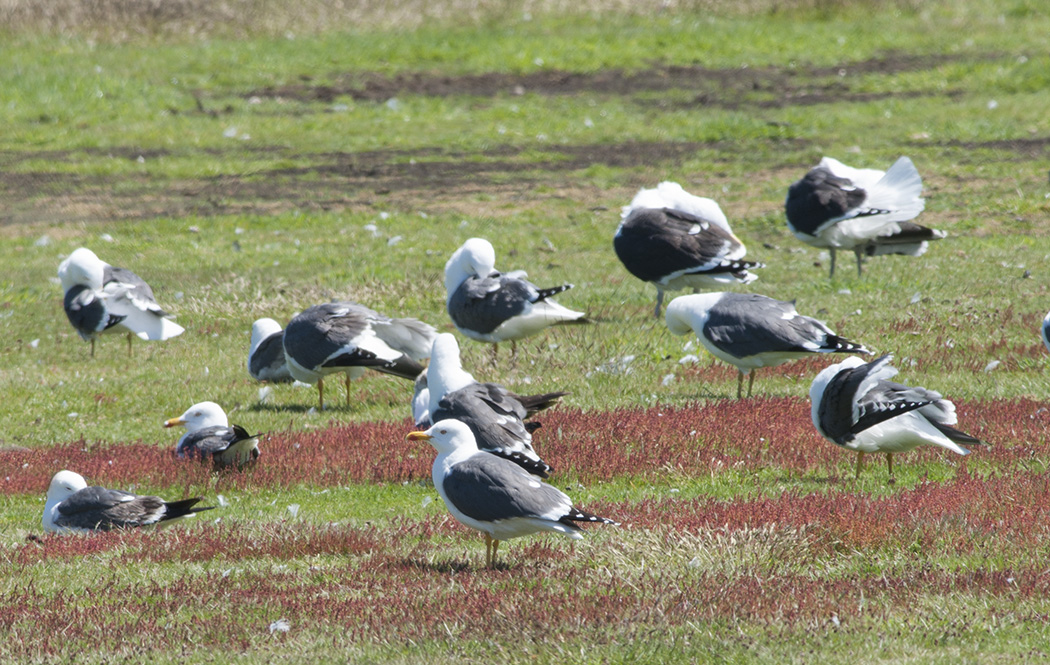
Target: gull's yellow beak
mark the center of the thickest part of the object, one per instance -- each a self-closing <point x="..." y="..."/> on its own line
<point x="174" y="422"/>
<point x="418" y="436"/>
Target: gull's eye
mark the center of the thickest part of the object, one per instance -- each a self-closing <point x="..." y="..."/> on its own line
<point x="444" y="431"/>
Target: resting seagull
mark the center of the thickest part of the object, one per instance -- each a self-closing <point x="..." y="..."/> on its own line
<point x="73" y="507"/>
<point x="750" y="331"/>
<point x="494" y="415"/>
<point x="350" y="338"/>
<point x="494" y="495"/>
<point x="100" y="298"/>
<point x="676" y="240"/>
<point x="209" y="435"/>
<point x="489" y="306"/>
<point x="856" y="406"/>
<point x="865" y="210"/>
<point x="266" y="354"/>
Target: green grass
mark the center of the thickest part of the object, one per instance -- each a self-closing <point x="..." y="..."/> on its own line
<point x="237" y="166"/>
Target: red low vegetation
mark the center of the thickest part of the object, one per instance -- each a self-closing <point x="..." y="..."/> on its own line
<point x="758" y="433"/>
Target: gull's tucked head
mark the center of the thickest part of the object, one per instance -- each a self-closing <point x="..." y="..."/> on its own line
<point x="262" y="329"/>
<point x="475" y="257"/>
<point x="82" y="267"/>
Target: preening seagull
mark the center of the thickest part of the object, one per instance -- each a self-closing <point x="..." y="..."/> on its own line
<point x="350" y="338"/>
<point x="266" y="354"/>
<point x="865" y="210"/>
<point x="857" y="407"/>
<point x="495" y="416"/>
<point x="209" y="435"/>
<point x="489" y="306"/>
<point x="72" y="507"/>
<point x="493" y="495"/>
<point x="750" y="331"/>
<point x="676" y="240"/>
<point x="100" y="298"/>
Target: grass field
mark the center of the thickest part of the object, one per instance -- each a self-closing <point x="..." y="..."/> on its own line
<point x="251" y="160"/>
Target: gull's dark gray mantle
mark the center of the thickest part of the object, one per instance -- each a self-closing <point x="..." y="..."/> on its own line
<point x="488" y="488"/>
<point x="327" y="336"/>
<point x="656" y="244"/>
<point x="97" y="508"/>
<point x="496" y="418"/>
<point x="225" y="446"/>
<point x="482" y="304"/>
<point x="821" y="197"/>
<point x="268" y="363"/>
<point x="746" y="324"/>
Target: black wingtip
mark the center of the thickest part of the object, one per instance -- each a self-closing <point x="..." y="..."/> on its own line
<point x="553" y="291"/>
<point x="176" y="509"/>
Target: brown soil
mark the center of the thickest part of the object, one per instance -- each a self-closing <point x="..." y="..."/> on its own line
<point x="442" y="179"/>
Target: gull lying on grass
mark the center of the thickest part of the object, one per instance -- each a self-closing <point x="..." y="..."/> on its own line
<point x="209" y="435"/>
<point x="73" y="507"/>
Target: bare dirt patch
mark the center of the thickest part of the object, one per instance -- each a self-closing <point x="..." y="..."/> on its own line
<point x="724" y="88"/>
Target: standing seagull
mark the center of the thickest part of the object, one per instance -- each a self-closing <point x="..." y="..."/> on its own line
<point x="676" y="240"/>
<point x="98" y="297"/>
<point x="73" y="507"/>
<point x="209" y="435"/>
<point x="489" y="306"/>
<point x="494" y="415"/>
<point x="350" y="338"/>
<point x="856" y="406"/>
<point x="865" y="210"/>
<point x="494" y="495"/>
<point x="266" y="354"/>
<point x="750" y="331"/>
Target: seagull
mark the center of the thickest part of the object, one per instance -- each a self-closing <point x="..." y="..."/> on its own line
<point x="348" y="337"/>
<point x="494" y="495"/>
<point x="266" y="354"/>
<point x="209" y="435"/>
<point x="750" y="331"/>
<point x="856" y="406"/>
<point x="675" y="240"/>
<point x="1044" y="331"/>
<point x="99" y="297"/>
<point x="865" y="210"/>
<point x="73" y="507"/>
<point x="489" y="306"/>
<point x="494" y="415"/>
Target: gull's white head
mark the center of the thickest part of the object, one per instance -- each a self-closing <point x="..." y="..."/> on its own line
<point x="262" y="329"/>
<point x="447" y="436"/>
<point x="475" y="257"/>
<point x="83" y="268"/>
<point x="687" y="314"/>
<point x="64" y="484"/>
<point x="199" y="416"/>
<point x="445" y="373"/>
